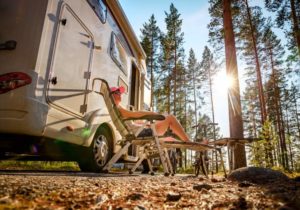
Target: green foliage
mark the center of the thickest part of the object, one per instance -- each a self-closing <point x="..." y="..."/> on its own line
<point x="261" y="151"/>
<point x="188" y="170"/>
<point x="288" y="18"/>
<point x="151" y="36"/>
<point x="38" y="165"/>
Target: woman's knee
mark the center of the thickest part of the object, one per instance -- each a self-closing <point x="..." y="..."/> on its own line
<point x="170" y="116"/>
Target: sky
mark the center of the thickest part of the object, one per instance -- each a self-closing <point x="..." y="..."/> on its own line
<point x="195" y="19"/>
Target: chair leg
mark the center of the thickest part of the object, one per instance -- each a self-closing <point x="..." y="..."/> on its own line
<point x="222" y="162"/>
<point x="150" y="166"/>
<point x="116" y="157"/>
<point x="204" y="165"/>
<point x="160" y="151"/>
<point x="168" y="161"/>
<point x="132" y="170"/>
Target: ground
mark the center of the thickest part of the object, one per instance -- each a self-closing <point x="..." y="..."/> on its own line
<point x="76" y="190"/>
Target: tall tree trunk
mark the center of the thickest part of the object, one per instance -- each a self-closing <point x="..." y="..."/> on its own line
<point x="185" y="117"/>
<point x="289" y="135"/>
<point x="195" y="103"/>
<point x="234" y="101"/>
<point x="258" y="72"/>
<point x="282" y="132"/>
<point x="296" y="29"/>
<point x="213" y="115"/>
<point x="151" y="72"/>
<point x="175" y="74"/>
<point x="169" y="93"/>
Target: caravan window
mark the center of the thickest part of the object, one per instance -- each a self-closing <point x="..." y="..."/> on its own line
<point x="99" y="8"/>
<point x="118" y="53"/>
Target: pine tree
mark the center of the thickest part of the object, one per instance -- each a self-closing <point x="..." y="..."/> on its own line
<point x="150" y="42"/>
<point x="251" y="32"/>
<point x="209" y="69"/>
<point x="163" y="92"/>
<point x="175" y="42"/>
<point x="194" y="84"/>
<point x="215" y="27"/>
<point x="273" y="52"/>
<point x="288" y="14"/>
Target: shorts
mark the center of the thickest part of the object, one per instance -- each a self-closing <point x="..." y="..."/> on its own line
<point x="146" y="132"/>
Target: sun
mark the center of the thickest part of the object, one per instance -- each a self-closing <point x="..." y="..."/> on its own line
<point x="223" y="82"/>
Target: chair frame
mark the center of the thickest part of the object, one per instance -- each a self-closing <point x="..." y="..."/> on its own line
<point x="129" y="138"/>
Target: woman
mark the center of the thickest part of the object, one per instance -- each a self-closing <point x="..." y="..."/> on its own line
<point x="161" y="126"/>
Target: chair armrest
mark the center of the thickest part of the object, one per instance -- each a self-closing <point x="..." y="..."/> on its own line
<point x="147" y="117"/>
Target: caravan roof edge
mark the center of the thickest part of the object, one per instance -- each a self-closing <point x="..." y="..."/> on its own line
<point x="122" y="19"/>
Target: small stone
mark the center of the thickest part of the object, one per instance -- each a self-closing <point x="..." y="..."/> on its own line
<point x="101" y="199"/>
<point x="173" y="184"/>
<point x="134" y="196"/>
<point x="202" y="186"/>
<point x="172" y="196"/>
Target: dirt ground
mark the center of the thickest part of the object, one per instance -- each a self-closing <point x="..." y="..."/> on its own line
<point x="76" y="190"/>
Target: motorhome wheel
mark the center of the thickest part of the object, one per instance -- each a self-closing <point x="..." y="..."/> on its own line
<point x="98" y="153"/>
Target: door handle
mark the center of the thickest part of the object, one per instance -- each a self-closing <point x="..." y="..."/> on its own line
<point x="8" y="45"/>
<point x="53" y="80"/>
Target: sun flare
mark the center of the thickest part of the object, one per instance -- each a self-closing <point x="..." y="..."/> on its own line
<point x="223" y="82"/>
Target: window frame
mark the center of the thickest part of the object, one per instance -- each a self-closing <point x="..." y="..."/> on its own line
<point x="97" y="6"/>
<point x="113" y="47"/>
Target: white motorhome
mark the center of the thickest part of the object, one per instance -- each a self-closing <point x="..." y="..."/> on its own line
<point x="51" y="54"/>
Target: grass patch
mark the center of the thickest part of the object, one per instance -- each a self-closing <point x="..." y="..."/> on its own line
<point x="38" y="165"/>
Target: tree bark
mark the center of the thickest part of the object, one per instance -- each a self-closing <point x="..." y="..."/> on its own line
<point x="213" y="114"/>
<point x="195" y="102"/>
<point x="234" y="101"/>
<point x="175" y="73"/>
<point x="151" y="72"/>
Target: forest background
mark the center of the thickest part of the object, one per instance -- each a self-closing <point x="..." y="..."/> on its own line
<point x="186" y="68"/>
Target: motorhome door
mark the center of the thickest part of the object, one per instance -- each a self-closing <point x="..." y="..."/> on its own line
<point x="134" y="89"/>
<point x="70" y="64"/>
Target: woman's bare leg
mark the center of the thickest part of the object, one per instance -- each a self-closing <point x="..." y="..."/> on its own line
<point x="175" y="126"/>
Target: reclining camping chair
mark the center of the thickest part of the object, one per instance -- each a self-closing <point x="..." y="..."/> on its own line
<point x="149" y="144"/>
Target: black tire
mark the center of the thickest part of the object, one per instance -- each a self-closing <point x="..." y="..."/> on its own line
<point x="146" y="167"/>
<point x="95" y="157"/>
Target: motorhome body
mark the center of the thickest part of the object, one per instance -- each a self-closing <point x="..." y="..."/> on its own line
<point x="51" y="54"/>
